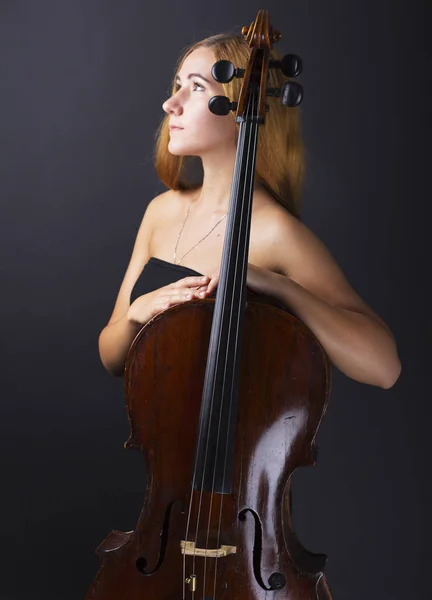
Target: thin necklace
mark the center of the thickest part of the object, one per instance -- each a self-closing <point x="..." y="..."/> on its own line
<point x="178" y="238"/>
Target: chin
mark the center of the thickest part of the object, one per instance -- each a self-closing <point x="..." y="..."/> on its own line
<point x="177" y="152"/>
<point x="182" y="151"/>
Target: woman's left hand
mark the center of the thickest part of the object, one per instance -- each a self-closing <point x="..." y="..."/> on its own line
<point x="259" y="280"/>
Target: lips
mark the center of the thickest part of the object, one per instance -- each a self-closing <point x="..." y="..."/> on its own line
<point x="174" y="127"/>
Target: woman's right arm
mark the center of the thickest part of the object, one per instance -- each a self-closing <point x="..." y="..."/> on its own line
<point x="114" y="343"/>
<point x="116" y="337"/>
<point x="126" y="320"/>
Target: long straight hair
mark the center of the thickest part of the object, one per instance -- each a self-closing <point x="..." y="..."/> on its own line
<point x="280" y="153"/>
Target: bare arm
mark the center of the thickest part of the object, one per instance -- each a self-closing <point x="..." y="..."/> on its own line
<point x="114" y="343"/>
<point x="358" y="344"/>
<point x="127" y="319"/>
<point x="355" y="337"/>
<point x="116" y="337"/>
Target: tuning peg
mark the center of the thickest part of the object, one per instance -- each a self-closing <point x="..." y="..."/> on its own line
<point x="291" y="65"/>
<point x="221" y="105"/>
<point x="291" y="94"/>
<point x="223" y="71"/>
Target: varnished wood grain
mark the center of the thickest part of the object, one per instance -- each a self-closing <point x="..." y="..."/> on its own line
<point x="284" y="389"/>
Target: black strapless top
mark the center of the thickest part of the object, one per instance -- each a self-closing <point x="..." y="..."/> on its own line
<point x="156" y="274"/>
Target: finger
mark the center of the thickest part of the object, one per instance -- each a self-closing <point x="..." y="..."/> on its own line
<point x="180" y="297"/>
<point x="192" y="281"/>
<point x="213" y="285"/>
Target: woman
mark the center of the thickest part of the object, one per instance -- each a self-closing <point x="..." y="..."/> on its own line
<point x="181" y="235"/>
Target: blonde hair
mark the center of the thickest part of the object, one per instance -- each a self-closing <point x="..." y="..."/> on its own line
<point x="279" y="164"/>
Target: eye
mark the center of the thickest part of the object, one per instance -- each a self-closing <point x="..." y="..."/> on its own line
<point x="178" y="86"/>
<point x="196" y="83"/>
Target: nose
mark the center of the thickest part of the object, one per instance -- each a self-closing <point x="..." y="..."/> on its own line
<point x="172" y="106"/>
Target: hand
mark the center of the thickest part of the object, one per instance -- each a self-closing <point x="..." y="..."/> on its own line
<point x="147" y="306"/>
<point x="259" y="280"/>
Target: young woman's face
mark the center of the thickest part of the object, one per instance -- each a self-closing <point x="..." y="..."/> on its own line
<point x="201" y="131"/>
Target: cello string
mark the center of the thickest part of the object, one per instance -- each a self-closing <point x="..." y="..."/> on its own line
<point x="244" y="137"/>
<point x="218" y="343"/>
<point x="207" y="395"/>
<point x="190" y="505"/>
<point x="251" y="142"/>
<point x="228" y="232"/>
<point x="207" y="385"/>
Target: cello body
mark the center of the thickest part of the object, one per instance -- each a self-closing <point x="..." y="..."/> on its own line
<point x="241" y="544"/>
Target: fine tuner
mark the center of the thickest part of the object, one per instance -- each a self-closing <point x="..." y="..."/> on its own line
<point x="290" y="94"/>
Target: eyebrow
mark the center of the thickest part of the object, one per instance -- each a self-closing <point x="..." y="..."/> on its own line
<point x="194" y="75"/>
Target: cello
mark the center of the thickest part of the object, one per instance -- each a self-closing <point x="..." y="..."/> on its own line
<point x="223" y="412"/>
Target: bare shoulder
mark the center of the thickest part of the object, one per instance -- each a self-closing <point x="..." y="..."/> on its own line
<point x="298" y="253"/>
<point x="153" y="213"/>
<point x="168" y="205"/>
<point x="160" y="204"/>
<point x="140" y="252"/>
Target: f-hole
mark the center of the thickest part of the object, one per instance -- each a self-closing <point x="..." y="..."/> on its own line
<point x="141" y="561"/>
<point x="276" y="580"/>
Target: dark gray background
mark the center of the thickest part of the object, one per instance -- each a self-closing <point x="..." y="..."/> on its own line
<point x="82" y="83"/>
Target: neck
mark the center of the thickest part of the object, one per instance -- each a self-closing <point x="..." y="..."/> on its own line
<point x="218" y="171"/>
<point x="215" y="192"/>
